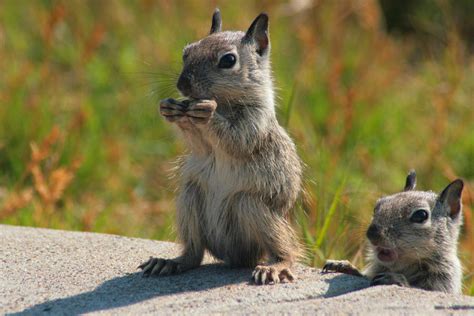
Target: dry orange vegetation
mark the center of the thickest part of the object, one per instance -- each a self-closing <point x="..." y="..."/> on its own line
<point x="82" y="146"/>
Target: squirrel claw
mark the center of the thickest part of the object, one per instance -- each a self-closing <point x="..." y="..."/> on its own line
<point x="270" y="275"/>
<point x="341" y="266"/>
<point x="172" y="109"/>
<point x="389" y="278"/>
<point x="160" y="267"/>
<point x="144" y="264"/>
<point x="201" y="111"/>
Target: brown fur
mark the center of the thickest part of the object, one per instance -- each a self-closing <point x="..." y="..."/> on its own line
<point x="242" y="176"/>
<point x="425" y="253"/>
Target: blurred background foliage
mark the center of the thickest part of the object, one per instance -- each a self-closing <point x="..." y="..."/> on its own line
<point x="367" y="89"/>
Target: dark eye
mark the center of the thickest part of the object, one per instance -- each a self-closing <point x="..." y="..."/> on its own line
<point x="419" y="216"/>
<point x="227" y="61"/>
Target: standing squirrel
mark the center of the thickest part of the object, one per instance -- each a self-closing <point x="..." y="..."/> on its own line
<point x="413" y="240"/>
<point x="242" y="176"/>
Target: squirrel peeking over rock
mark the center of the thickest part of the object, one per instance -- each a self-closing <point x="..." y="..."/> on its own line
<point x="413" y="240"/>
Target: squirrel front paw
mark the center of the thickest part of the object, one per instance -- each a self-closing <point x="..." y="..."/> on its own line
<point x="389" y="278"/>
<point x="172" y="110"/>
<point x="201" y="111"/>
<point x="341" y="266"/>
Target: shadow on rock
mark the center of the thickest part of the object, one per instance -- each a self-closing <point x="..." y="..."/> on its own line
<point x="133" y="288"/>
<point x="342" y="284"/>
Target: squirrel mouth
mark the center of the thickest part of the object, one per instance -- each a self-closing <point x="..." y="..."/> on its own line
<point x="386" y="254"/>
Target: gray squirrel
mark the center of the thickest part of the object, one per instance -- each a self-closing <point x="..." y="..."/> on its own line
<point x="413" y="240"/>
<point x="242" y="176"/>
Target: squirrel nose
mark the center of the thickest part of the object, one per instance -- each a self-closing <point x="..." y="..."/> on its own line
<point x="373" y="233"/>
<point x="184" y="84"/>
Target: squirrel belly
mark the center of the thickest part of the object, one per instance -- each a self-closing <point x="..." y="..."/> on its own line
<point x="237" y="190"/>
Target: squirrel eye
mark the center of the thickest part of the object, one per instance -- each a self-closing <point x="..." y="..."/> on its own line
<point x="227" y="61"/>
<point x="419" y="216"/>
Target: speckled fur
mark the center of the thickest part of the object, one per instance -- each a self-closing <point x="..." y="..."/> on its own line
<point x="242" y="175"/>
<point x="426" y="252"/>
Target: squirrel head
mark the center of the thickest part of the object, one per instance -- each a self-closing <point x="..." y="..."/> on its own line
<point x="230" y="66"/>
<point x="414" y="225"/>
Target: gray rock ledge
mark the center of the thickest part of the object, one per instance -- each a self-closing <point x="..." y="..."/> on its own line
<point x="62" y="272"/>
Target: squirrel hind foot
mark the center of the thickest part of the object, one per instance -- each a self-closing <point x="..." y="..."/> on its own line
<point x="162" y="267"/>
<point x="272" y="274"/>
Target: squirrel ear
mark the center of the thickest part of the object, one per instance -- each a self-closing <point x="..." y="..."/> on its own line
<point x="450" y="198"/>
<point x="258" y="33"/>
<point x="216" y="22"/>
<point x="410" y="183"/>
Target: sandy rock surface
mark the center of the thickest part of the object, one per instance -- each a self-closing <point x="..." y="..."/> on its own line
<point x="61" y="272"/>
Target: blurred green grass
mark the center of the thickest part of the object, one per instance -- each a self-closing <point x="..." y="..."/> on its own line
<point x="82" y="146"/>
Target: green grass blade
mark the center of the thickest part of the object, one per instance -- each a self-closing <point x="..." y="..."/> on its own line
<point x="330" y="215"/>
